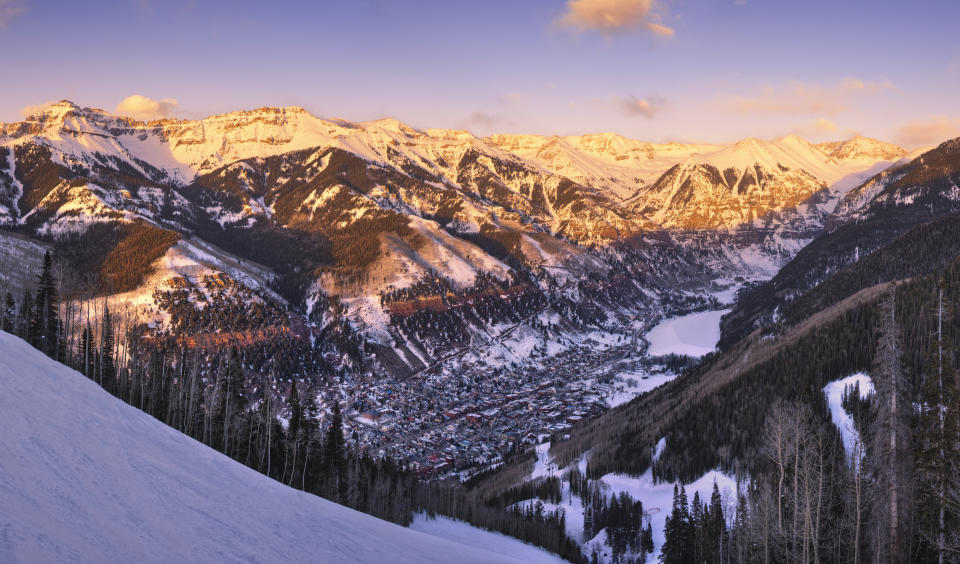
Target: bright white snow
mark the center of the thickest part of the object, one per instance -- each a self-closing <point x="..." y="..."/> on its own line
<point x="468" y="535"/>
<point x="87" y="478"/>
<point x="842" y="419"/>
<point x="696" y="334"/>
<point x="657" y="497"/>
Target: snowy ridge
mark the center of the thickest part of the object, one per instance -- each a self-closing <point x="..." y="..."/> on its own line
<point x="142" y="492"/>
<point x="617" y="167"/>
<point x="617" y="164"/>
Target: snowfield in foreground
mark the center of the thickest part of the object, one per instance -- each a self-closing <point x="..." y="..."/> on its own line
<point x="86" y="478"/>
<point x="694" y="335"/>
<point x="470" y="536"/>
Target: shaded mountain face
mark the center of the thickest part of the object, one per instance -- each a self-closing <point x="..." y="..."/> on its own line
<point x="868" y="218"/>
<point x="702" y="196"/>
<point x="761" y="183"/>
<point x="340" y="219"/>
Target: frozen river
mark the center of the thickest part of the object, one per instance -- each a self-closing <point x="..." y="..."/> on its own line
<point x="694" y="335"/>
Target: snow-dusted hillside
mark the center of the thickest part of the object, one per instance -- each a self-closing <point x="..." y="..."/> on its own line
<point x="87" y="478"/>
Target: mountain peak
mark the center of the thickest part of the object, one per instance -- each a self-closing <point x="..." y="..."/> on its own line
<point x="860" y="147"/>
<point x="58" y="109"/>
<point x="794" y="139"/>
<point x="749" y="142"/>
<point x="394" y="125"/>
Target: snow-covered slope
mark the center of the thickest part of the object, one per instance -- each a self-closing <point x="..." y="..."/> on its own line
<point x="87" y="478"/>
<point x="863" y="385"/>
<point x="470" y="536"/>
<point x="606" y="160"/>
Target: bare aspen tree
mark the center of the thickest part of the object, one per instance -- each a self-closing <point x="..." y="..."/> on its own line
<point x="775" y="447"/>
<point x="937" y="457"/>
<point x="857" y="490"/>
<point x="891" y="449"/>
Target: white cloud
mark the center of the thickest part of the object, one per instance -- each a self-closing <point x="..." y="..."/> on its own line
<point x="822" y="129"/>
<point x="10" y="9"/>
<point x="796" y="97"/>
<point x="852" y="84"/>
<point x="823" y="125"/>
<point x="611" y="16"/>
<point x="930" y="131"/>
<point x="647" y="108"/>
<point x="141" y="107"/>
<point x="35" y="109"/>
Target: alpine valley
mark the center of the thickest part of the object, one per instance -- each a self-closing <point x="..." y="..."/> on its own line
<point x="539" y="336"/>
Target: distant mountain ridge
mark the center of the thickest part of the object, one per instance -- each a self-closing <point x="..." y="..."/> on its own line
<point x="339" y="217"/>
<point x="613" y="166"/>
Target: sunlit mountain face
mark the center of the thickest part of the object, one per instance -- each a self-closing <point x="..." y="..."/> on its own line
<point x="384" y="219"/>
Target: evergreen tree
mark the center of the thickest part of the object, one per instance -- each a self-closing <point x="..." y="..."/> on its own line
<point x="646" y="540"/>
<point x="44" y="320"/>
<point x="677" y="543"/>
<point x="107" y="366"/>
<point x="47" y="287"/>
<point x="698" y="520"/>
<point x="85" y="352"/>
<point x="334" y="457"/>
<point x="36" y="322"/>
<point x="26" y="316"/>
<point x="9" y="314"/>
<point x="740" y="531"/>
<point x="293" y="402"/>
<point x="716" y="528"/>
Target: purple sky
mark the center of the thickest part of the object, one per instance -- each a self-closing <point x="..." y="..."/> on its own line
<point x="658" y="70"/>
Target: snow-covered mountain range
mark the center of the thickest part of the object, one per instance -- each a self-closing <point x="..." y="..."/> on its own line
<point x="357" y="212"/>
<point x="543" y="178"/>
